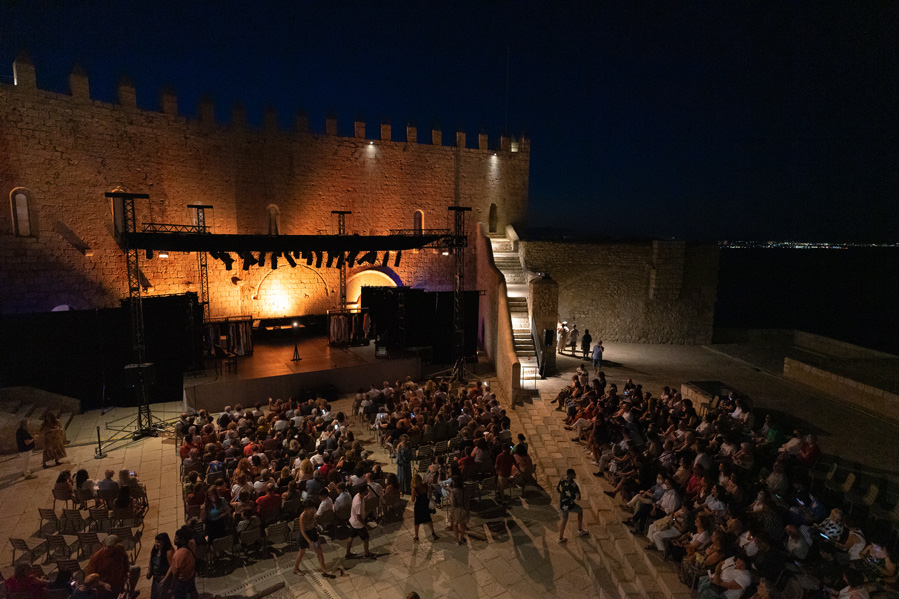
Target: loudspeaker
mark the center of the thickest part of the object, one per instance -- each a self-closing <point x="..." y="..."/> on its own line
<point x="548" y="336"/>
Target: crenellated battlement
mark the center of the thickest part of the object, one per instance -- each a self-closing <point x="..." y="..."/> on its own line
<point x="25" y="81"/>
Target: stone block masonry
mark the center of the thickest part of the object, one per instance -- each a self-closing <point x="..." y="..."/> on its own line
<point x="65" y="151"/>
<point x="646" y="292"/>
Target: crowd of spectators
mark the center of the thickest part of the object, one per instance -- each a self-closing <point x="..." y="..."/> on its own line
<point x="726" y="495"/>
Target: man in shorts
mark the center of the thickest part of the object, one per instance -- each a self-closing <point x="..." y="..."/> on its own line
<point x="357" y="523"/>
<point x="569" y="494"/>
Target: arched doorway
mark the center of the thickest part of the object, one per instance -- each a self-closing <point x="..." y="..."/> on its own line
<point x="491" y="220"/>
<point x="367" y="278"/>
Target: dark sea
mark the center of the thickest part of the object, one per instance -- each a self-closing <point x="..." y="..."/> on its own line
<point x="851" y="295"/>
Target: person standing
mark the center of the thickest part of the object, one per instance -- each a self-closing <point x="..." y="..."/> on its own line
<point x="597" y="356"/>
<point x="309" y="538"/>
<point x="421" y="506"/>
<point x="586" y="340"/>
<point x="54" y="439"/>
<point x="182" y="572"/>
<point x="404" y="464"/>
<point x="160" y="560"/>
<point x="357" y="523"/>
<point x="458" y="509"/>
<point x="573" y="339"/>
<point x="562" y="337"/>
<point x="25" y="444"/>
<point x="569" y="495"/>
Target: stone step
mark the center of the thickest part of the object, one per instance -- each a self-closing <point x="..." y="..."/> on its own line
<point x="501" y="245"/>
<point x="23" y="411"/>
<point x="10" y="407"/>
<point x="38" y="412"/>
<point x="65" y="418"/>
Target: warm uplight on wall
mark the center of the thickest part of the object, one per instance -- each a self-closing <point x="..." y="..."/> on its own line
<point x="163" y="254"/>
<point x="371" y="143"/>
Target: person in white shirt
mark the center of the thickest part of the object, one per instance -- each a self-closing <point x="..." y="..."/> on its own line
<point x="732" y="575"/>
<point x="326" y="504"/>
<point x="357" y="524"/>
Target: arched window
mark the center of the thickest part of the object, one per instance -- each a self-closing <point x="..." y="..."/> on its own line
<point x="21" y="215"/>
<point x="418" y="222"/>
<point x="274" y="220"/>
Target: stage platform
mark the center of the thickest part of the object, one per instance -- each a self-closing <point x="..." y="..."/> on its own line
<point x="270" y="372"/>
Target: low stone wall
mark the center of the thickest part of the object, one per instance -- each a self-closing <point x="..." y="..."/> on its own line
<point x="865" y="397"/>
<point x="833" y="347"/>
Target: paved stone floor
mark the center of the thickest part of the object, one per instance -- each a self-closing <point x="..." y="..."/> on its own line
<point x="511" y="553"/>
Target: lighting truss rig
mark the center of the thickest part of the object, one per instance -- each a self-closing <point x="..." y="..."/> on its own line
<point x="341" y="250"/>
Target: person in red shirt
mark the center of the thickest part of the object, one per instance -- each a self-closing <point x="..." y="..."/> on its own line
<point x="269" y="505"/>
<point x="810" y="452"/>
<point x="185" y="448"/>
<point x="505" y="467"/>
<point x="24" y="582"/>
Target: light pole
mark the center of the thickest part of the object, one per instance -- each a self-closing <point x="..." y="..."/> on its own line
<point x="296" y="350"/>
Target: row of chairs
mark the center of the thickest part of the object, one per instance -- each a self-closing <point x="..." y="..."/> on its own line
<point x="51" y="593"/>
<point x="98" y="519"/>
<point x="57" y="546"/>
<point x="82" y="498"/>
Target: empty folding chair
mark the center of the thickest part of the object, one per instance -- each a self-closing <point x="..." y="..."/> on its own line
<point x="837" y="488"/>
<point x="888" y="511"/>
<point x="277" y="534"/>
<point x="99" y="519"/>
<point x="825" y="469"/>
<point x="327" y="522"/>
<point x="87" y="543"/>
<point x="862" y="499"/>
<point x="30" y="549"/>
<point x="125" y="516"/>
<point x="73" y="521"/>
<point x="108" y="497"/>
<point x="290" y="509"/>
<point x="59" y="547"/>
<point x="221" y="547"/>
<point x="487" y="485"/>
<point x="49" y="515"/>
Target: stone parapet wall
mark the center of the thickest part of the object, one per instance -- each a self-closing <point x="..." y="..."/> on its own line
<point x="66" y="151"/>
<point x="864" y="397"/>
<point x="632" y="291"/>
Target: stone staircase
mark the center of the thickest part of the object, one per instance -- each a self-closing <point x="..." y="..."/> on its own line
<point x="506" y="259"/>
<point x="14" y="409"/>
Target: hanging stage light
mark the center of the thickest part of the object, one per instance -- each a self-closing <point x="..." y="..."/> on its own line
<point x="318" y="259"/>
<point x="340" y="260"/>
<point x="351" y="259"/>
<point x="310" y="256"/>
<point x="399" y="255"/>
<point x="331" y="257"/>
<point x="368" y="257"/>
<point x="386" y="259"/>
<point x="290" y="260"/>
<point x="227" y="259"/>
<point x="248" y="260"/>
<point x="274" y="261"/>
<point x="261" y="259"/>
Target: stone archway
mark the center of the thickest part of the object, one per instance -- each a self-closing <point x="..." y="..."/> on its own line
<point x="372" y="277"/>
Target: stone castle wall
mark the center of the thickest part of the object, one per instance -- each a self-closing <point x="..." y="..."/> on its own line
<point x="649" y="292"/>
<point x="66" y="150"/>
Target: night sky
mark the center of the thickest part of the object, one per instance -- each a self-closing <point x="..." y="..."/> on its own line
<point x="696" y="120"/>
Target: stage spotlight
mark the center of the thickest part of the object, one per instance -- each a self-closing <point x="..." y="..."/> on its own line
<point x="274" y="261"/>
<point x="248" y="260"/>
<point x="340" y="260"/>
<point x="331" y="257"/>
<point x="149" y="254"/>
<point x="290" y="260"/>
<point x="310" y="256"/>
<point x="351" y="259"/>
<point x="386" y="259"/>
<point x="318" y="259"/>
<point x="261" y="259"/>
<point x="399" y="255"/>
<point x="368" y="257"/>
<point x="214" y="255"/>
<point x="163" y="254"/>
<point x="227" y="259"/>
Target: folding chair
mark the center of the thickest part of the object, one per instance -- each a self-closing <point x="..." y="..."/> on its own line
<point x="108" y="497"/>
<point x="249" y="538"/>
<point x="278" y="533"/>
<point x="290" y="509"/>
<point x="70" y="565"/>
<point x="72" y="519"/>
<point x="59" y="548"/>
<point x="139" y="495"/>
<point x="222" y="546"/>
<point x="64" y="496"/>
<point x="83" y="496"/>
<point x="50" y="516"/>
<point x="30" y="551"/>
<point x="328" y="522"/>
<point x="487" y="485"/>
<point x="86" y="543"/>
